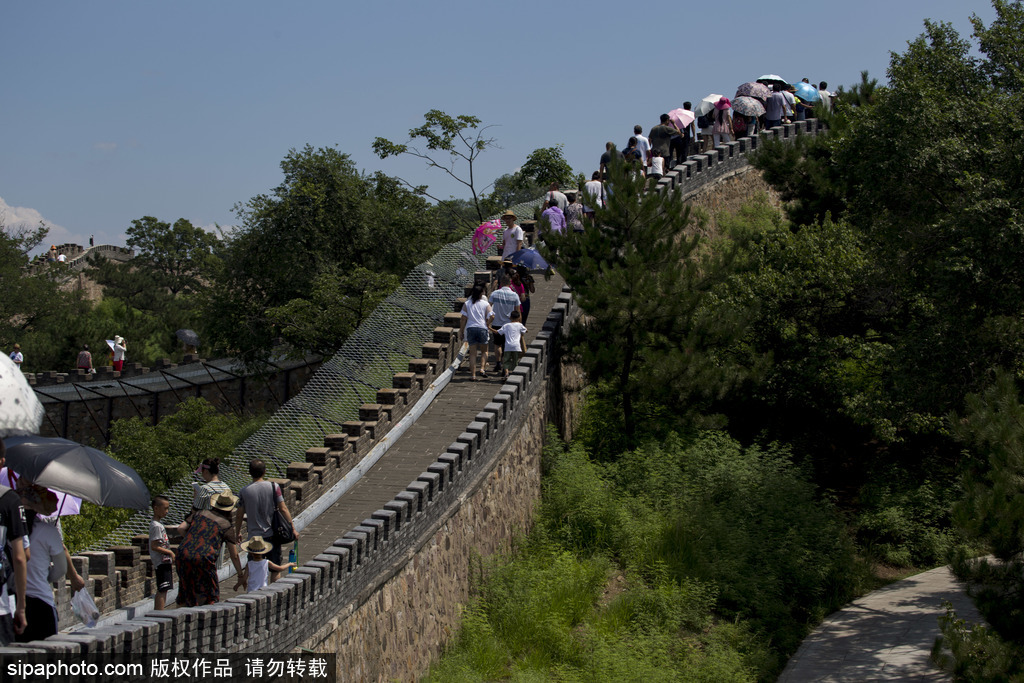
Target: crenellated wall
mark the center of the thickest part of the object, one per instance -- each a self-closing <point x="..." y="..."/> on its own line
<point x="413" y="554"/>
<point x="386" y="595"/>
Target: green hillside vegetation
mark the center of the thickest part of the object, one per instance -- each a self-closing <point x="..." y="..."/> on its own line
<point x="783" y="415"/>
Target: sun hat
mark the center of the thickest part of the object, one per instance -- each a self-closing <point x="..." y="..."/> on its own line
<point x="225" y="501"/>
<point x="257" y="546"/>
<point x="723" y="103"/>
<point x="509" y="213"/>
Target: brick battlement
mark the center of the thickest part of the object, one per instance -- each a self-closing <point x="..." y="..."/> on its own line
<point x="384" y="594"/>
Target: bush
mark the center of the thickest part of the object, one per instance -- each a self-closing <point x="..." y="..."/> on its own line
<point x="748" y="521"/>
<point x="907" y="525"/>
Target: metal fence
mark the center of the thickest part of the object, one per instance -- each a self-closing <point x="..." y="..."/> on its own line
<point x="381" y="346"/>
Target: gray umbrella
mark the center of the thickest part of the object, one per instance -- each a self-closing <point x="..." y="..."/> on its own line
<point x="88" y="473"/>
<point x="188" y="337"/>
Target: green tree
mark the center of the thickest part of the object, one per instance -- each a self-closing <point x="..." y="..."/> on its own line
<point x="642" y="279"/>
<point x="37" y="308"/>
<point x="180" y="254"/>
<point x="547" y="165"/>
<point x="511" y="189"/>
<point x="929" y="171"/>
<point x="446" y="143"/>
<point x="324" y="217"/>
<point x="992" y="514"/>
<point x="337" y="305"/>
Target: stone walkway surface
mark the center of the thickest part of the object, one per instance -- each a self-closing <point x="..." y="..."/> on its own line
<point x="447" y="417"/>
<point x="887" y="635"/>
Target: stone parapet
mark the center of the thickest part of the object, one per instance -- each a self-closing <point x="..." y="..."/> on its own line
<point x="413" y="551"/>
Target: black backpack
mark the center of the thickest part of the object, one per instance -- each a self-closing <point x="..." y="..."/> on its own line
<point x="703" y="121"/>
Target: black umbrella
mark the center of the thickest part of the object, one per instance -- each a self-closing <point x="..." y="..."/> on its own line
<point x="188" y="337"/>
<point x="82" y="471"/>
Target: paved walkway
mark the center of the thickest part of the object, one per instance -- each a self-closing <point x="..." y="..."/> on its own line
<point x="447" y="417"/>
<point x="886" y="635"/>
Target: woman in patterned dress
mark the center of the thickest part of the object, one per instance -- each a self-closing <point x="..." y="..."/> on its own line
<point x="197" y="555"/>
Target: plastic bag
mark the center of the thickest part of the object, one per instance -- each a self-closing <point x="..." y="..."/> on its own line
<point x="84" y="608"/>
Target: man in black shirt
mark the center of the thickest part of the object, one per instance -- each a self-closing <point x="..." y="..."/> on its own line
<point x="13" y="557"/>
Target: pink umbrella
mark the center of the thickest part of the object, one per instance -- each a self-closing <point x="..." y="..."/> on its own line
<point x="66" y="503"/>
<point x="681" y="117"/>
<point x="485" y="236"/>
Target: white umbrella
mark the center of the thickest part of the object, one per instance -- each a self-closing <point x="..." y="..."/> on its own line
<point x="21" y="413"/>
<point x="706" y="104"/>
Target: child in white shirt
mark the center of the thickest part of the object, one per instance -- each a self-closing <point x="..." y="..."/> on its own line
<point x="515" y="342"/>
<point x="257" y="571"/>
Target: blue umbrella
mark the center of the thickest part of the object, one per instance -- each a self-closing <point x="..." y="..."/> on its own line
<point x="807" y="92"/>
<point x="528" y="258"/>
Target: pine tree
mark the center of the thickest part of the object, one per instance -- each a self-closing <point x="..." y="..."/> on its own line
<point x="641" y="274"/>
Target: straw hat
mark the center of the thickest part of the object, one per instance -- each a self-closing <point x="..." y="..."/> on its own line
<point x="257" y="546"/>
<point x="510" y="214"/>
<point x="224" y="501"/>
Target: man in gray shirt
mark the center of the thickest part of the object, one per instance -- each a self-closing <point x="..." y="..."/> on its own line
<point x="256" y="504"/>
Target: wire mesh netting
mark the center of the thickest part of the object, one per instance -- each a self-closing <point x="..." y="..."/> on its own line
<point x="381" y="346"/>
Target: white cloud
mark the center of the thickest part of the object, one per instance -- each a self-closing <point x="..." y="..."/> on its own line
<point x="105" y="146"/>
<point x="15" y="217"/>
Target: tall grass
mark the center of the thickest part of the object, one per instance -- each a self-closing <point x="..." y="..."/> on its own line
<point x="692" y="558"/>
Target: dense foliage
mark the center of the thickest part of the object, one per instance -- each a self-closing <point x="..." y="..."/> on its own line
<point x="874" y="328"/>
<point x="691" y="558"/>
<point x="323" y="222"/>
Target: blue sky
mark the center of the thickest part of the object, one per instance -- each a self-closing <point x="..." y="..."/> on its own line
<point x="115" y="110"/>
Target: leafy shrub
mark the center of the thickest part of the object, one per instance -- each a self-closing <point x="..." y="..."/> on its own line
<point x="749" y="522"/>
<point x="905" y="524"/>
<point x="976" y="653"/>
<point x="164" y="453"/>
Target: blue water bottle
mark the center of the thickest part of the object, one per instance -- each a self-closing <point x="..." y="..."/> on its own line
<point x="292" y="555"/>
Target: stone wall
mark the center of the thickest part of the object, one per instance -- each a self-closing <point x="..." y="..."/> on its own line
<point x="402" y="573"/>
<point x="393" y="630"/>
<point x="387" y="593"/>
